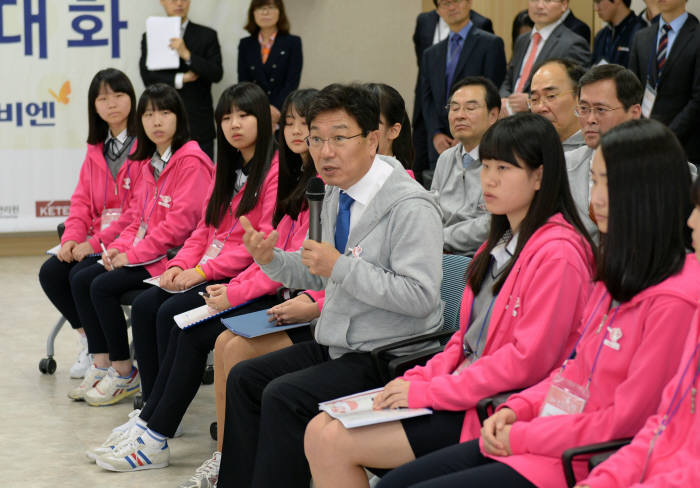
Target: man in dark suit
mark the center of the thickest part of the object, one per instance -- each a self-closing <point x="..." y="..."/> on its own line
<point x="200" y="66"/>
<point x="549" y="39"/>
<point x="666" y="58"/>
<point x="431" y="29"/>
<point x="612" y="44"/>
<point x="467" y="51"/>
<point x="576" y="25"/>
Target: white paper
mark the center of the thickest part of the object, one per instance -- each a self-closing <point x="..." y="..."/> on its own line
<point x="155" y="281"/>
<point x="54" y="250"/>
<point x="159" y="31"/>
<point x="185" y="319"/>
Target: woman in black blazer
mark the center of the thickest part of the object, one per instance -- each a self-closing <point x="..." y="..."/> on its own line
<point x="270" y="57"/>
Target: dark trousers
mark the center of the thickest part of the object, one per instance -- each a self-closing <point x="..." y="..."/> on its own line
<point x="55" y="277"/>
<point x="269" y="401"/>
<point x="97" y="295"/>
<point x="180" y="373"/>
<point x="454" y="467"/>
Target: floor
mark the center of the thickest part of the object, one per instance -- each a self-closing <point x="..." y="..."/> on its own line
<point x="43" y="434"/>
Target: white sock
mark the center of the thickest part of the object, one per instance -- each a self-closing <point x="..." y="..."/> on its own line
<point x="153" y="439"/>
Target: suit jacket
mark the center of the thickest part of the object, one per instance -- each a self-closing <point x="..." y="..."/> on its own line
<point x="578" y="26"/>
<point x="483" y="54"/>
<point x="206" y="62"/>
<point x="616" y="50"/>
<point x="678" y="91"/>
<point x="280" y="75"/>
<point x="562" y="43"/>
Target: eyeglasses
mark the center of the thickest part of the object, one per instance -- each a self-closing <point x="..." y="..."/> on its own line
<point x="316" y="142"/>
<point x="267" y="9"/>
<point x="585" y="111"/>
<point x="546" y="2"/>
<point x="469" y="107"/>
<point x="545" y="99"/>
<point x="448" y="3"/>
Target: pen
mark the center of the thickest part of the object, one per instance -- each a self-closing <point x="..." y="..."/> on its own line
<point x="204" y="294"/>
<point x="104" y="250"/>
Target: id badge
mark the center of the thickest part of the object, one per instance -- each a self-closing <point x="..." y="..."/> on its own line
<point x="108" y="216"/>
<point x="141" y="233"/>
<point x="564" y="398"/>
<point x="214" y="249"/>
<point x="648" y="101"/>
<point x="602" y="62"/>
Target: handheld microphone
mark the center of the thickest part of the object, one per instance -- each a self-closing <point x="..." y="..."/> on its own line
<point x="315" y="191"/>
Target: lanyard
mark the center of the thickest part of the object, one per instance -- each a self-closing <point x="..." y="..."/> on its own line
<point x="600" y="347"/>
<point x="155" y="200"/>
<point x="289" y="236"/>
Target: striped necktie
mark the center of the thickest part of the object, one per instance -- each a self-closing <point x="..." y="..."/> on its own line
<point x="662" y="51"/>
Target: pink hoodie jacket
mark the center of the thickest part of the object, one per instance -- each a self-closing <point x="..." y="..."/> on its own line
<point x="675" y="460"/>
<point x="174" y="213"/>
<point x="532" y="327"/>
<point x="234" y="257"/>
<point x="96" y="191"/>
<point x="627" y="382"/>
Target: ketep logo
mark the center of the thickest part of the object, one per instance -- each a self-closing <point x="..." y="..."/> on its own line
<point x="63" y="93"/>
<point x="53" y="208"/>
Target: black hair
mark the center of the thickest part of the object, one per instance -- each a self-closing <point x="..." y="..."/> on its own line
<point x="521" y="19"/>
<point x="627" y="85"/>
<point x="393" y="108"/>
<point x="573" y="70"/>
<point x="294" y="171"/>
<point x="354" y="99"/>
<point x="119" y="83"/>
<point x="160" y="97"/>
<point x="528" y="141"/>
<point x="250" y="98"/>
<point x="695" y="193"/>
<point x="282" y="22"/>
<point x="493" y="99"/>
<point x="648" y="205"/>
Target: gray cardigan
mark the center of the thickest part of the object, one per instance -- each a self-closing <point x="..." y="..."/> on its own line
<point x="391" y="290"/>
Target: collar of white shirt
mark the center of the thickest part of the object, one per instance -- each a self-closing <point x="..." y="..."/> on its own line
<point x="120" y="138"/>
<point x="367" y="187"/>
<point x="474" y="153"/>
<point x="503" y="252"/>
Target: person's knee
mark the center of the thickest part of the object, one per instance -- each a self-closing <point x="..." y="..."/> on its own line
<point x="48" y="271"/>
<point x="319" y="436"/>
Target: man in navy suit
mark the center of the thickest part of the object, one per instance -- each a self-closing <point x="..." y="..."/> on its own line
<point x="200" y="66"/>
<point x="576" y="25"/>
<point x="612" y="44"/>
<point x="467" y="51"/>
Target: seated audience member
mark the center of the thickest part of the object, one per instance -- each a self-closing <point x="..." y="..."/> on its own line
<point x="650" y="14"/>
<point x="473" y="108"/>
<point x="394" y="125"/>
<point x="615" y="379"/>
<point x="576" y="25"/>
<point x="537" y="263"/>
<point x="522" y="24"/>
<point x="613" y="42"/>
<point x="167" y="208"/>
<point x="101" y="198"/>
<point x="270" y="57"/>
<point x="467" y="51"/>
<point x="296" y="169"/>
<point x="665" y="452"/>
<point x="666" y="58"/>
<point x="553" y="95"/>
<point x="549" y="39"/>
<point x="382" y="281"/>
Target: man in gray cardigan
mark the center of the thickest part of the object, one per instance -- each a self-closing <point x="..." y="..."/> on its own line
<point x="380" y="264"/>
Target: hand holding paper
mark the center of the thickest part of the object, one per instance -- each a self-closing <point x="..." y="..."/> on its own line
<point x="394" y="395"/>
<point x="218" y="300"/>
<point x="159" y="32"/>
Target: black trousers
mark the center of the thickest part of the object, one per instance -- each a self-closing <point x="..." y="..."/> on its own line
<point x="97" y="293"/>
<point x="55" y="277"/>
<point x="180" y="373"/>
<point x="269" y="401"/>
<point x="454" y="467"/>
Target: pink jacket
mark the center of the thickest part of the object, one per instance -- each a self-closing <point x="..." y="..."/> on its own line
<point x="233" y="258"/>
<point x="675" y="460"/>
<point x="171" y="208"/>
<point x="96" y="191"/>
<point x="626" y="384"/>
<point x="532" y="327"/>
<point x="252" y="282"/>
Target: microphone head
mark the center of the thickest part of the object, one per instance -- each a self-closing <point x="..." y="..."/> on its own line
<point x="315" y="189"/>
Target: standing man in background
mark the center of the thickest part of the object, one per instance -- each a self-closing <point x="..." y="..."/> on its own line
<point x="650" y="15"/>
<point x="576" y="25"/>
<point x="200" y="66"/>
<point x="612" y="44"/>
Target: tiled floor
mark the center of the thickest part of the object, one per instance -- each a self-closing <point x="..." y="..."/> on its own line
<point x="43" y="434"/>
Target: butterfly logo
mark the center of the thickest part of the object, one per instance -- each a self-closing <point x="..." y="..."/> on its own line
<point x="63" y="93"/>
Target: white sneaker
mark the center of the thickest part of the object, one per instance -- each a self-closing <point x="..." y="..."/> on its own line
<point x="113" y="388"/>
<point x="83" y="361"/>
<point x="93" y="376"/>
<point x="117" y="436"/>
<point x="134" y="455"/>
<point x="205" y="476"/>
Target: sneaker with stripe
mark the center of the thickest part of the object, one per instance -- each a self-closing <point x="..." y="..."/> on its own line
<point x="92" y="377"/>
<point x="135" y="455"/>
<point x="127" y="431"/>
<point x="205" y="476"/>
<point x="114" y="388"/>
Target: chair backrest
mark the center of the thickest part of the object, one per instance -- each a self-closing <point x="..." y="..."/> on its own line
<point x="454" y="280"/>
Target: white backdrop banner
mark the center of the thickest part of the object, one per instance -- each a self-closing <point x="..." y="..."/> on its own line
<point x="50" y="51"/>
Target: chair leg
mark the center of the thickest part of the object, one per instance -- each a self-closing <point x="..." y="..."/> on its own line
<point x="47" y="365"/>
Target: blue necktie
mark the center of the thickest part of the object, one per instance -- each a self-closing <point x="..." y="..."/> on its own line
<point x="455" y="49"/>
<point x="342" y="223"/>
<point x="467" y="160"/>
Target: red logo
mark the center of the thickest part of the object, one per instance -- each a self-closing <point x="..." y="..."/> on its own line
<point x="53" y="208"/>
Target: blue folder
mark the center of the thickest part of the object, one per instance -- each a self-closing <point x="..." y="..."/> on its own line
<point x="256" y="324"/>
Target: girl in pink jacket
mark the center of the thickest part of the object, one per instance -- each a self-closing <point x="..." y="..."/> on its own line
<point x="632" y="336"/>
<point x="666" y="452"/>
<point x="527" y="287"/>
<point x="101" y="197"/>
<point x="167" y="206"/>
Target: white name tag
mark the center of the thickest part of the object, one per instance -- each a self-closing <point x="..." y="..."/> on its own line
<point x="648" y="101"/>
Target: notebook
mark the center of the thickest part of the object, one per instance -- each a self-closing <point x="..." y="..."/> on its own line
<point x="256" y="324"/>
<point x="185" y="320"/>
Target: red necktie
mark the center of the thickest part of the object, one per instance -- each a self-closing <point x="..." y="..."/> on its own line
<point x="525" y="75"/>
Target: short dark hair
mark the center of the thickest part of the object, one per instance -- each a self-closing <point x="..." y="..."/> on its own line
<point x="393" y="108"/>
<point x="521" y="19"/>
<point x="648" y="205"/>
<point x="282" y="22"/>
<point x="628" y="3"/>
<point x="528" y="141"/>
<point x="160" y="97"/>
<point x="118" y="82"/>
<point x="493" y="99"/>
<point x="627" y="86"/>
<point x="573" y="70"/>
<point x="355" y="99"/>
